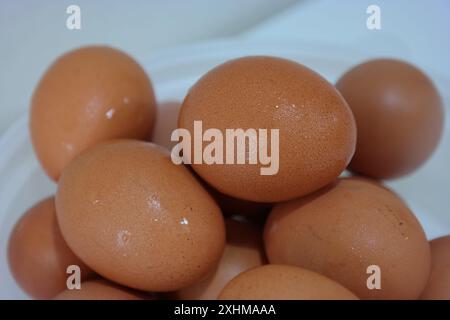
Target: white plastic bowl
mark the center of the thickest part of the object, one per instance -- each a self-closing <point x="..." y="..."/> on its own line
<point x="23" y="182"/>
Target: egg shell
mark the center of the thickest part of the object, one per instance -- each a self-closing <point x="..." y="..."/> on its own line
<point x="399" y="116"/>
<point x="101" y="290"/>
<point x="316" y="128"/>
<point x="282" y="282"/>
<point x="138" y="219"/>
<point x="88" y="95"/>
<point x="346" y="227"/>
<point x="244" y="250"/>
<point x="38" y="255"/>
<point x="438" y="286"/>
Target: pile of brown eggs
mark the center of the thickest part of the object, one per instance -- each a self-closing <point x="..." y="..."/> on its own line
<point x="139" y="226"/>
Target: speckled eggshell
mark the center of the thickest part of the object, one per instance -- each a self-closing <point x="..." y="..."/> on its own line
<point x="346" y="227"/>
<point x="244" y="250"/>
<point x="282" y="282"/>
<point x="138" y="219"/>
<point x="438" y="286"/>
<point x="317" y="132"/>
<point x="101" y="290"/>
<point x="38" y="255"/>
<point x="88" y="95"/>
<point x="399" y="115"/>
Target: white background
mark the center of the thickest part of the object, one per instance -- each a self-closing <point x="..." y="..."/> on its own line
<point x="33" y="33"/>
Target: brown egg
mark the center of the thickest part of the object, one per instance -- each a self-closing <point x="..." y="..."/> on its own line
<point x="243" y="251"/>
<point x="316" y="128"/>
<point x="281" y="282"/>
<point x="88" y="95"/>
<point x="38" y="254"/>
<point x="398" y="113"/>
<point x="138" y="219"/>
<point x="101" y="290"/>
<point x="345" y="229"/>
<point x="438" y="287"/>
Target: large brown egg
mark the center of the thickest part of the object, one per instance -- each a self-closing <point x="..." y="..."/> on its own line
<point x="88" y="95"/>
<point x="243" y="251"/>
<point x="281" y="282"/>
<point x="138" y="219"/>
<point x="356" y="233"/>
<point x="438" y="286"/>
<point x="398" y="113"/>
<point x="101" y="290"/>
<point x="38" y="254"/>
<point x="316" y="128"/>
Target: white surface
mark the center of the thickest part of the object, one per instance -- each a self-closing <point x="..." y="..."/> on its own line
<point x="34" y="33"/>
<point x="23" y="182"/>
